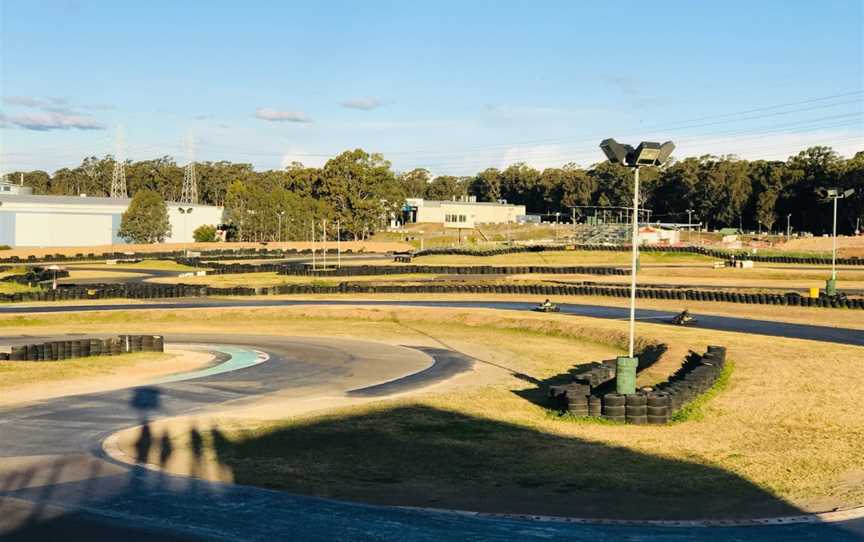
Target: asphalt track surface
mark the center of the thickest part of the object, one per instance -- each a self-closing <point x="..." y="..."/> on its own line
<point x="64" y="487"/>
<point x="720" y="323"/>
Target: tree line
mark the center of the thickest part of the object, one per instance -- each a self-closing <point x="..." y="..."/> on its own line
<point x="359" y="190"/>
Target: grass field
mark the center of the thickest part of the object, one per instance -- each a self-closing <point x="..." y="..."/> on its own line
<point x="779" y="433"/>
<point x="272" y="279"/>
<point x="567" y="257"/>
<point x="15" y="288"/>
<point x="14" y="374"/>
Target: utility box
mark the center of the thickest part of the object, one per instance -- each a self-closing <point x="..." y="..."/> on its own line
<point x="625" y="375"/>
<point x="814" y="292"/>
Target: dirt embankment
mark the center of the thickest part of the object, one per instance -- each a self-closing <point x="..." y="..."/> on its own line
<point x="847" y="246"/>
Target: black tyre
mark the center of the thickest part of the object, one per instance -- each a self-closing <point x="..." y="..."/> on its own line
<point x="636" y="399"/>
<point x="613" y="400"/>
<point x="613" y="410"/>
<point x="636" y="410"/>
<point x="657" y="410"/>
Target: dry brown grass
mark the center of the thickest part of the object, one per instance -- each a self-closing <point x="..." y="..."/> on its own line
<point x="14" y="374"/>
<point x="272" y="279"/>
<point x="565" y="257"/>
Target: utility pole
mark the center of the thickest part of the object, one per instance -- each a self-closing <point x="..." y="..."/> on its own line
<point x="324" y="243"/>
<point x="279" y="214"/>
<point x="689" y="225"/>
<point x="338" y="244"/>
<point x="788" y="226"/>
<point x="313" y="245"/>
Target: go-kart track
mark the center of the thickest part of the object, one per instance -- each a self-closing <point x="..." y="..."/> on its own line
<point x="58" y="483"/>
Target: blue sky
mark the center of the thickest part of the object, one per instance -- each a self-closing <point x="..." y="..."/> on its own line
<point x="451" y="86"/>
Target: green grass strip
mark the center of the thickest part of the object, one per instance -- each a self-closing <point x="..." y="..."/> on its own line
<point x="695" y="409"/>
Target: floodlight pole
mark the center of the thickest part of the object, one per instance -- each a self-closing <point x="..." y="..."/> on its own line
<point x="834" y="243"/>
<point x="635" y="259"/>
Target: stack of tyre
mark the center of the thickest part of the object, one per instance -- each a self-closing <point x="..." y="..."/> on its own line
<point x="694" y="378"/>
<point x="572" y="397"/>
<point x="638" y="409"/>
<point x="81" y="348"/>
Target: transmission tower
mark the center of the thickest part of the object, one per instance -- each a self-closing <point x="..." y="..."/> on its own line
<point x="190" y="184"/>
<point x="118" y="178"/>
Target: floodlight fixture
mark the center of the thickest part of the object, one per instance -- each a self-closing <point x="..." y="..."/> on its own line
<point x="616" y="152"/>
<point x="646" y="154"/>
<point x="848" y="193"/>
<point x="832" y="192"/>
<point x="665" y="152"/>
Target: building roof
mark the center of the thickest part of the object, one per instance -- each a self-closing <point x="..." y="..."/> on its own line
<point x="77" y="200"/>
<point x="439" y="203"/>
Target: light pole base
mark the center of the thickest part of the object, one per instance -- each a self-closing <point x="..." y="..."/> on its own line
<point x="831" y="287"/>
<point x="625" y="375"/>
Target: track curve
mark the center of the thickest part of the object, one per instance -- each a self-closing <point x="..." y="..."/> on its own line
<point x="100" y="498"/>
<point x="772" y="328"/>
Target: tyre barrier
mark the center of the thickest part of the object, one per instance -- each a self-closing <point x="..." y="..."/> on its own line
<point x="216" y="254"/>
<point x="721" y="254"/>
<point x="367" y="270"/>
<point x="81" y="348"/>
<point x="159" y="291"/>
<point x="35" y="275"/>
<point x="264" y="253"/>
<point x="697" y="374"/>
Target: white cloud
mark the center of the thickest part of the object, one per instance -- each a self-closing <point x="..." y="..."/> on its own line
<point x="53" y="121"/>
<point x="363" y="103"/>
<point x="777" y="146"/>
<point x="25" y="101"/>
<point x="266" y="113"/>
<point x="59" y="114"/>
<point x="543" y="156"/>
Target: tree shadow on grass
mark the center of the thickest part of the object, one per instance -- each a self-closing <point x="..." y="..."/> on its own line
<point x="421" y="456"/>
<point x="405" y="455"/>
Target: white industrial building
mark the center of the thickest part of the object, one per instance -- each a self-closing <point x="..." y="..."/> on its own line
<point x="462" y="213"/>
<point x="58" y="221"/>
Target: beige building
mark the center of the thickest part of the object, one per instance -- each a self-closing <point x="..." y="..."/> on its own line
<point x="462" y="213"/>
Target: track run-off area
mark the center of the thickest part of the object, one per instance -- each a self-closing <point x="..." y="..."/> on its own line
<point x="58" y="482"/>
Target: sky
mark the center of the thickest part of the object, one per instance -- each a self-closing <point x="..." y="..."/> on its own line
<point x="454" y="87"/>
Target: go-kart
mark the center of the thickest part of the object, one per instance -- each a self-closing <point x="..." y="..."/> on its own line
<point x="683" y="319"/>
<point x="547" y="306"/>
